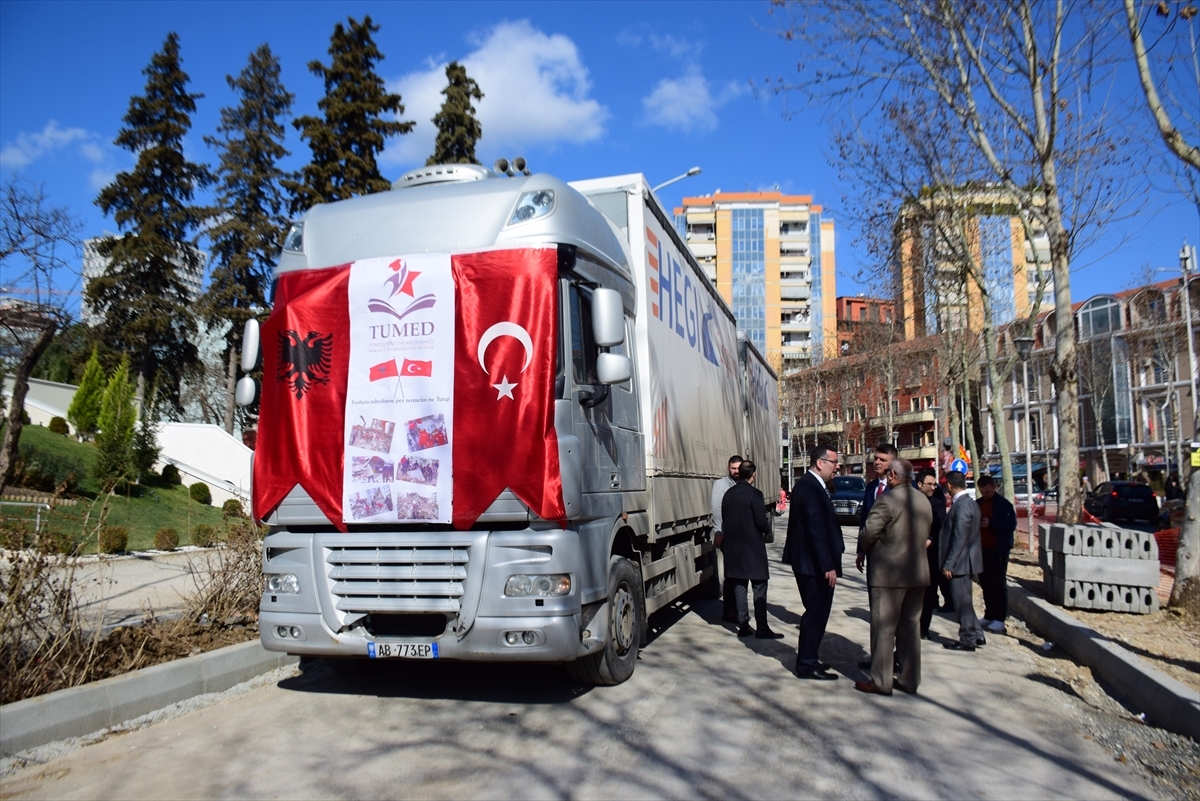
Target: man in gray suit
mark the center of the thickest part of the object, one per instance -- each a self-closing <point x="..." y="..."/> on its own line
<point x="895" y="536"/>
<point x="961" y="558"/>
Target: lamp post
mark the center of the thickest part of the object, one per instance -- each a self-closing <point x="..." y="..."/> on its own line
<point x="1187" y="262"/>
<point x="937" y="468"/>
<point x="1024" y="348"/>
<point x="688" y="174"/>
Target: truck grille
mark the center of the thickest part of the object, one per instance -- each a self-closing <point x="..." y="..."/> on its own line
<point x="397" y="579"/>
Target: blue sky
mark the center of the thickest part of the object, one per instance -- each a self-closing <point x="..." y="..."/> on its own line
<point x="581" y="90"/>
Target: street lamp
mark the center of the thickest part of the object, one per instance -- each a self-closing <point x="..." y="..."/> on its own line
<point x="1024" y="348"/>
<point x="1187" y="262"/>
<point x="688" y="174"/>
<point x="937" y="468"/>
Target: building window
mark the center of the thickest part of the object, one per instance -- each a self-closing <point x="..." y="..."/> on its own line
<point x="749" y="274"/>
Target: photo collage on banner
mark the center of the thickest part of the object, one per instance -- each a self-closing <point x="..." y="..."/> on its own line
<point x="399" y="411"/>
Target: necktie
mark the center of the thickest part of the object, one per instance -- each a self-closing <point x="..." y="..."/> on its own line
<point x="879" y="490"/>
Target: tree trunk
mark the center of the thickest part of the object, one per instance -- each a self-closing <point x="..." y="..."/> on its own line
<point x="230" y="388"/>
<point x="996" y="405"/>
<point x="1186" y="589"/>
<point x="12" y="431"/>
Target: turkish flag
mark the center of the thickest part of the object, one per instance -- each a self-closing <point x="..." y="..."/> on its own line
<point x="306" y="350"/>
<point x="416" y="367"/>
<point x="385" y="370"/>
<point x="504" y="408"/>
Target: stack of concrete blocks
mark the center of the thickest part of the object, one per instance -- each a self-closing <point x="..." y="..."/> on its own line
<point x="1099" y="567"/>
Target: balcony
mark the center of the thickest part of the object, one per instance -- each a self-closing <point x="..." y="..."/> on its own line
<point x="923" y="452"/>
<point x="702" y="249"/>
<point x="795" y="326"/>
<point x="903" y="418"/>
<point x="794" y="291"/>
<point x="793" y="246"/>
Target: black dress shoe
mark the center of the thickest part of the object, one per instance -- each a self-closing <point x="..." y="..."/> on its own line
<point x="744" y="630"/>
<point x="764" y="633"/>
<point x="957" y="646"/>
<point x="981" y="641"/>
<point x="816" y="675"/>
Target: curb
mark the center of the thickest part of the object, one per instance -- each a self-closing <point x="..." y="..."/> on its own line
<point x="1169" y="703"/>
<point x="77" y="711"/>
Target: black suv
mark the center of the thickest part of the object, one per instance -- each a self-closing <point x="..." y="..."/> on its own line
<point x="846" y="492"/>
<point x="1123" y="500"/>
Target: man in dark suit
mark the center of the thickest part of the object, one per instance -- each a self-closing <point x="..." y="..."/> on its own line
<point x="927" y="483"/>
<point x="997" y="528"/>
<point x="745" y="523"/>
<point x="961" y="557"/>
<point x="885" y="452"/>
<point x="814" y="549"/>
<point x="895" y="536"/>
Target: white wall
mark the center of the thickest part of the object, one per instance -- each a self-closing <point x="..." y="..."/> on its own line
<point x="207" y="453"/>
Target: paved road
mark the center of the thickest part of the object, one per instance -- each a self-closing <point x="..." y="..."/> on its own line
<point x="705" y="715"/>
<point x="122" y="589"/>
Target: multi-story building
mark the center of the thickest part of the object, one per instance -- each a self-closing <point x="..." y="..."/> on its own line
<point x="864" y="323"/>
<point x="772" y="257"/>
<point x="94" y="265"/>
<point x="1137" y="409"/>
<point x="938" y="233"/>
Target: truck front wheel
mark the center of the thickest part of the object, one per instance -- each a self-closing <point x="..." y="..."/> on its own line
<point x="626" y="605"/>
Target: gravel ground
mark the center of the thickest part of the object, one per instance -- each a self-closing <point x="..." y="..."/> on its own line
<point x="1166" y="640"/>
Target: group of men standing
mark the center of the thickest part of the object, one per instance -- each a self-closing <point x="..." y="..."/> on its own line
<point x="912" y="541"/>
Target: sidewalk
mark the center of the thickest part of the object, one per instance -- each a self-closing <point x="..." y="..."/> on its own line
<point x="118" y="590"/>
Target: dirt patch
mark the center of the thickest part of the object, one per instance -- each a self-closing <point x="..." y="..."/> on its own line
<point x="135" y="647"/>
<point x="1168" y="640"/>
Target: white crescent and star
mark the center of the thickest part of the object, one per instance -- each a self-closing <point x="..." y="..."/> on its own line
<point x="505" y="329"/>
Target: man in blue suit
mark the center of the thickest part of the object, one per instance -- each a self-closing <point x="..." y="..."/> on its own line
<point x="814" y="549"/>
<point x="885" y="452"/>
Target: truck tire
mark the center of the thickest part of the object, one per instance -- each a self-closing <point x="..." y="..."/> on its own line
<point x="626" y="621"/>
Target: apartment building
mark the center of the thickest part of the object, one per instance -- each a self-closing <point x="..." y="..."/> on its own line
<point x="772" y="257"/>
<point x="94" y="265"/>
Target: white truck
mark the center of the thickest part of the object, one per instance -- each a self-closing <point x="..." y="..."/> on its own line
<point x="648" y="400"/>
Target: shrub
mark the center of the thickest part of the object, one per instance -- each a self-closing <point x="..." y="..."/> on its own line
<point x="170" y="474"/>
<point x="204" y="536"/>
<point x="113" y="539"/>
<point x="58" y="542"/>
<point x="59" y="426"/>
<point x="232" y="508"/>
<point x="47" y="472"/>
<point x="166" y="539"/>
<point x="200" y="493"/>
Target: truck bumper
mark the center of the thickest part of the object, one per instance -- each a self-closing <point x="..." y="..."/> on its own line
<point x="556" y="639"/>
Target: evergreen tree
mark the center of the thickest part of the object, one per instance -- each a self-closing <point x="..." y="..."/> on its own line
<point x="346" y="141"/>
<point x="458" y="129"/>
<point x="144" y="450"/>
<point x="117" y="420"/>
<point x="145" y="304"/>
<point x="84" y="413"/>
<point x="250" y="199"/>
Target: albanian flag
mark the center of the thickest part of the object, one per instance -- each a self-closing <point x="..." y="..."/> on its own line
<point x="306" y="348"/>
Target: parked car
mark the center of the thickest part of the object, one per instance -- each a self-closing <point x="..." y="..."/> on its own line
<point x="847" y="497"/>
<point x="1123" y="500"/>
<point x="1040" y="499"/>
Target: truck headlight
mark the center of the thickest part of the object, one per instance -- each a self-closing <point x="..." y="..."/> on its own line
<point x="283" y="583"/>
<point x="532" y="205"/>
<point x="524" y="586"/>
<point x="295" y="238"/>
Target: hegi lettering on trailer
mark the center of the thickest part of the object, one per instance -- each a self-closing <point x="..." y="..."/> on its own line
<point x="680" y="304"/>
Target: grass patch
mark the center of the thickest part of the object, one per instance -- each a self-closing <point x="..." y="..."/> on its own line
<point x="142" y="510"/>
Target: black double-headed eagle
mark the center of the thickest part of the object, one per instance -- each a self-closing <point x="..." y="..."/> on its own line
<point x="304" y="363"/>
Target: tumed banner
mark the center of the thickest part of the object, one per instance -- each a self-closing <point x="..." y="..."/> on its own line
<point x="399" y="389"/>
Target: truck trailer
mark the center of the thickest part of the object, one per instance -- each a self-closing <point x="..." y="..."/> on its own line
<point x="491" y="412"/>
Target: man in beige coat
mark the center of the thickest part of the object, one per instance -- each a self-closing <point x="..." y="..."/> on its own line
<point x="896" y="535"/>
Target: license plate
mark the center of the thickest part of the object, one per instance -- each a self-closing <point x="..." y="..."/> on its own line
<point x="1137" y="500"/>
<point x="403" y="650"/>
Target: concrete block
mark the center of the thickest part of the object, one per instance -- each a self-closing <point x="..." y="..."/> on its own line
<point x="1105" y="569"/>
<point x="1063" y="539"/>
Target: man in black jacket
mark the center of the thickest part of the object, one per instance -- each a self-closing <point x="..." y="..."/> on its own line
<point x="814" y="549"/>
<point x="745" y="523"/>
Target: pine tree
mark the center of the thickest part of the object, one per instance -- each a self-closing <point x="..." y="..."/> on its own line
<point x="458" y="129"/>
<point x="116" y="423"/>
<point x="346" y="141"/>
<point x="250" y="198"/>
<point x="145" y="304"/>
<point x="84" y="412"/>
<point x="143" y="448"/>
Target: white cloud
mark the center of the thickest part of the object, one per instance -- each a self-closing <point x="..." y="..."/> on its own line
<point x="669" y="44"/>
<point x="535" y="93"/>
<point x="29" y="147"/>
<point x="688" y="103"/>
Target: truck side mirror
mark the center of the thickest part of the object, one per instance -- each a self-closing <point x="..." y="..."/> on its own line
<point x="608" y="318"/>
<point x="613" y="368"/>
<point x="246" y="392"/>
<point x="250" y="346"/>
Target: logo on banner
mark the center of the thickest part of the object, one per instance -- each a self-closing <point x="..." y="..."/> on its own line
<point x="401" y="282"/>
<point x="506" y="329"/>
<point x="304" y="363"/>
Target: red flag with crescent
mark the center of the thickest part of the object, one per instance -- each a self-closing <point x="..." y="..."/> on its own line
<point x="504" y="361"/>
<point x="306" y="349"/>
